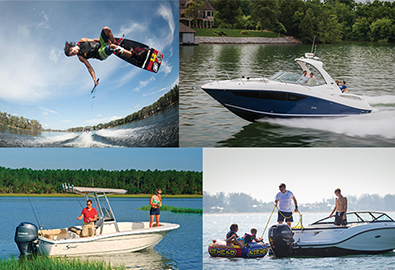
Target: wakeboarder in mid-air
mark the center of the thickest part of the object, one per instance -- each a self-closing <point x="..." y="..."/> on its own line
<point x="96" y="48"/>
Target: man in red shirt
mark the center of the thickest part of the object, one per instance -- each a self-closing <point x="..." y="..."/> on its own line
<point x="90" y="216"/>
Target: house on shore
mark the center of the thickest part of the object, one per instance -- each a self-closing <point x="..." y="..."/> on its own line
<point x="204" y="18"/>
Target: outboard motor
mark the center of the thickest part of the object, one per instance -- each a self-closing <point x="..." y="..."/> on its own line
<point x="26" y="236"/>
<point x="280" y="239"/>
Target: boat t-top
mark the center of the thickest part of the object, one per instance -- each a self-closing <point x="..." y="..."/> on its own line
<point x="111" y="236"/>
<point x="287" y="94"/>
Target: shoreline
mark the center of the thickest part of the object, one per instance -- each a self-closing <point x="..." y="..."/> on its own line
<point x="180" y="196"/>
<point x="245" y="40"/>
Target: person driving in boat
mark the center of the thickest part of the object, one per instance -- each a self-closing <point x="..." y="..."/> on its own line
<point x="283" y="198"/>
<point x="90" y="216"/>
<point x="340" y="208"/>
<point x="304" y="78"/>
<point x="155" y="202"/>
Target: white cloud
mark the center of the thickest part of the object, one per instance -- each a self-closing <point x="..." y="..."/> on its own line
<point x="47" y="111"/>
<point x="95" y="121"/>
<point x="143" y="84"/>
<point x="166" y="68"/>
<point x="44" y="23"/>
<point x="137" y="106"/>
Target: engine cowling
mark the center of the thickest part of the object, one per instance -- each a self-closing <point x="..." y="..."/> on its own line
<point x="26" y="236"/>
<point x="281" y="239"/>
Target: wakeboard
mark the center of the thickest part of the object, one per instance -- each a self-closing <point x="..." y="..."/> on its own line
<point x="145" y="57"/>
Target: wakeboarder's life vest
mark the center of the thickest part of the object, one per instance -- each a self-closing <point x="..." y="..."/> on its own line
<point x="89" y="49"/>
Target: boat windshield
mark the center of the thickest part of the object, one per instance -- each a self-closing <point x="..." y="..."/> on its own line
<point x="289" y="77"/>
<point x="358" y="217"/>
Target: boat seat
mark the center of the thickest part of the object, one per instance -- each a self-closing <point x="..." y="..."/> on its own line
<point x="75" y="230"/>
<point x="98" y="222"/>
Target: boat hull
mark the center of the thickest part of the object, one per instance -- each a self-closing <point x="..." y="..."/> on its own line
<point x="250" y="105"/>
<point x="362" y="239"/>
<point x="110" y="241"/>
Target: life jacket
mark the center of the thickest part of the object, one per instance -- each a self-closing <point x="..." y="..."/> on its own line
<point x="229" y="234"/>
<point x="248" y="237"/>
<point x="89" y="49"/>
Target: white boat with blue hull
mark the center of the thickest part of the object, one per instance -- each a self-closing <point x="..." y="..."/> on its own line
<point x="286" y="94"/>
<point x="111" y="236"/>
<point x="365" y="233"/>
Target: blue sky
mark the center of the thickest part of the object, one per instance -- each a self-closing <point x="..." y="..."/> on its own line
<point x="39" y="82"/>
<point x="187" y="159"/>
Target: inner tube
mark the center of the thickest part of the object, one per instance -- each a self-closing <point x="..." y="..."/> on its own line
<point x="251" y="250"/>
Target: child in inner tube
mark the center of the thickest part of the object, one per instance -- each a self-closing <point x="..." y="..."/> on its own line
<point x="233" y="238"/>
<point x="250" y="237"/>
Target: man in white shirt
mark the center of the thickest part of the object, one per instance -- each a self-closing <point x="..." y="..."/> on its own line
<point x="284" y="198"/>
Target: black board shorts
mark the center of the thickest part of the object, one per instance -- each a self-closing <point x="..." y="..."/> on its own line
<point x="154" y="211"/>
<point x="339" y="219"/>
<point x="286" y="214"/>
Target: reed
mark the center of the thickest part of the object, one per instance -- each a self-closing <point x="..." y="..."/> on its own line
<point x="53" y="263"/>
<point x="174" y="209"/>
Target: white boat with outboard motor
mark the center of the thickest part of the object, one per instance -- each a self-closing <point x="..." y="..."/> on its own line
<point x="287" y="94"/>
<point x="111" y="236"/>
<point x="366" y="233"/>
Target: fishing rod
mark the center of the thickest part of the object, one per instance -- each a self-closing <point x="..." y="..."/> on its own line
<point x="34" y="212"/>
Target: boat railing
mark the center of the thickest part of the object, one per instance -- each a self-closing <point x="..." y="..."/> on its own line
<point x="243" y="79"/>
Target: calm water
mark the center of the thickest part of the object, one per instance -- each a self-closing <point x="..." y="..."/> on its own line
<point x="181" y="249"/>
<point x="216" y="227"/>
<point x="367" y="68"/>
<point x="159" y="130"/>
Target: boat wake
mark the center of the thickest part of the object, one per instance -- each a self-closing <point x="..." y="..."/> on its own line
<point x="378" y="123"/>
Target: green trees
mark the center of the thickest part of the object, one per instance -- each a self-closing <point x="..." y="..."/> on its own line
<point x="228" y="11"/>
<point x="266" y="13"/>
<point x="329" y="20"/>
<point x="136" y="182"/>
<point x="19" y="122"/>
<point x="162" y="103"/>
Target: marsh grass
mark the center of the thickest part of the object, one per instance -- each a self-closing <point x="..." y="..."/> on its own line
<point x="42" y="262"/>
<point x="174" y="209"/>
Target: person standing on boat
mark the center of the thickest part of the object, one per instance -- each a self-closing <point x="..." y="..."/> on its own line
<point x="155" y="202"/>
<point x="284" y="200"/>
<point x="90" y="216"/>
<point x="340" y="208"/>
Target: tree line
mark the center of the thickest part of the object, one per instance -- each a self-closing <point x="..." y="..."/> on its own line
<point x="330" y="21"/>
<point x="135" y="181"/>
<point x="243" y="203"/>
<point x="162" y="103"/>
<point x="19" y="122"/>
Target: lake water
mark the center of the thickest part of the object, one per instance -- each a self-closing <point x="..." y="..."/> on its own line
<point x="216" y="227"/>
<point x="158" y="130"/>
<point x="368" y="69"/>
<point x="180" y="249"/>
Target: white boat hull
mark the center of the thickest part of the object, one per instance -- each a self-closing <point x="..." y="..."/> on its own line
<point x="110" y="241"/>
<point x="369" y="238"/>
